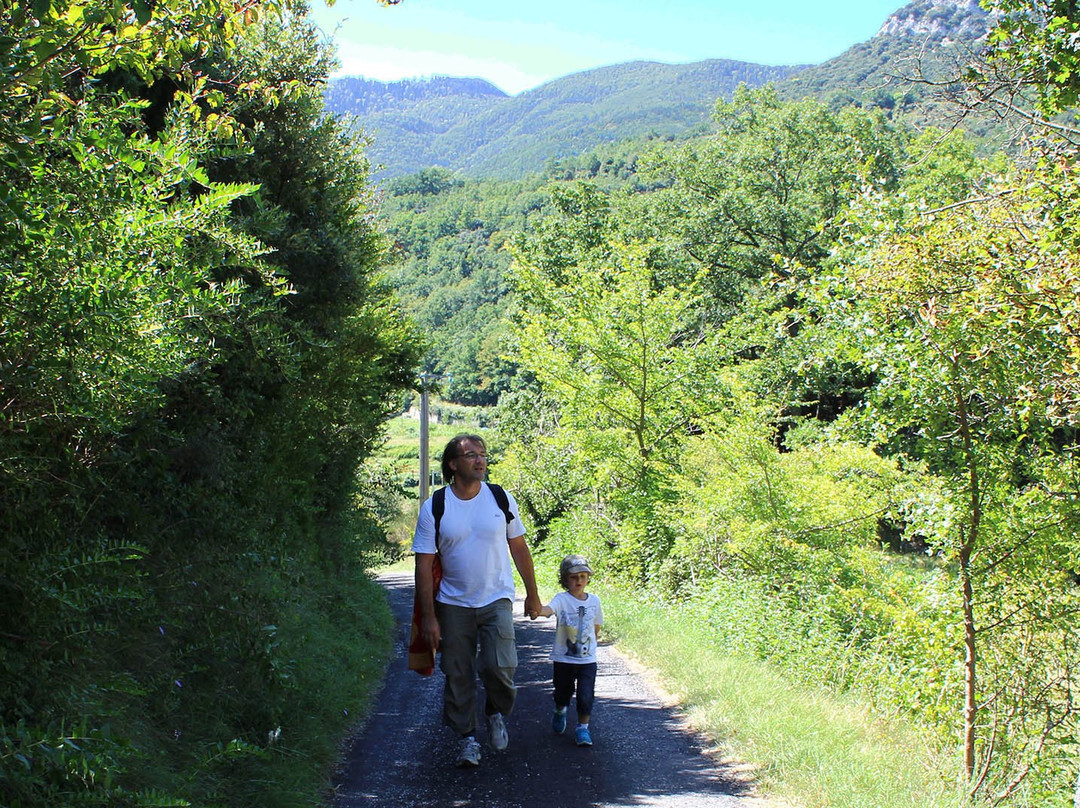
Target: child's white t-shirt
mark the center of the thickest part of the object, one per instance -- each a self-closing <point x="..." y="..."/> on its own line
<point x="575" y="627"/>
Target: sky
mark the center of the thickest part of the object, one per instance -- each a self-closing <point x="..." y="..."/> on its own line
<point x="520" y="44"/>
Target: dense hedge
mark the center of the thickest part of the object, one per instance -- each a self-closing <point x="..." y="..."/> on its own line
<point x="197" y="353"/>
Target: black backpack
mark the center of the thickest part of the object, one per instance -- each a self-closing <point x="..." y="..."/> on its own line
<point x="438" y="505"/>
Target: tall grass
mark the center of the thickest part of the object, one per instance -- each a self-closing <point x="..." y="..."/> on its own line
<point x="812" y="748"/>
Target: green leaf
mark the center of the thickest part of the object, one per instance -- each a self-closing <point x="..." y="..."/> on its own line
<point x="143" y="11"/>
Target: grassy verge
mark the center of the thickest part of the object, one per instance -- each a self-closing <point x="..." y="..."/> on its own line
<point x="810" y="748"/>
<point x="340" y="647"/>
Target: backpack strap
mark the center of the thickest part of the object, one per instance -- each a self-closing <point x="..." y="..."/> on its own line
<point x="503" y="500"/>
<point x="438" y="506"/>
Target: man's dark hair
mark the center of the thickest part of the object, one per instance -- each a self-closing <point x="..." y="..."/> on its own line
<point x="453" y="449"/>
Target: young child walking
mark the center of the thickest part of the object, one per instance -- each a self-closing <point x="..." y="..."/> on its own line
<point x="578" y="616"/>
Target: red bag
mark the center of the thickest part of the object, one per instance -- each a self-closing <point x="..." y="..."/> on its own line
<point x="422" y="655"/>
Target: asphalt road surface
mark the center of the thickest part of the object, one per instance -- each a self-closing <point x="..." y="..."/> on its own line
<point x="642" y="755"/>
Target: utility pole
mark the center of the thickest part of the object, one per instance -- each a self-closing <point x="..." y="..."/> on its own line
<point x="427" y="380"/>
<point x="425" y="470"/>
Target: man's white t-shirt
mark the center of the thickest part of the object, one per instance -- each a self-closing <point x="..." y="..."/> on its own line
<point x="473" y="537"/>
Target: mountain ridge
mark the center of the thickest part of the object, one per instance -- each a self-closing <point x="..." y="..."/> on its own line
<point x="470" y="125"/>
<point x="423" y="123"/>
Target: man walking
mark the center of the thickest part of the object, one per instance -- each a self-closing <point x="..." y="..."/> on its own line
<point x="475" y="531"/>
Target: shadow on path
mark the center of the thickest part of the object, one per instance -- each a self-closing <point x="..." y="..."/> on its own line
<point x="642" y="755"/>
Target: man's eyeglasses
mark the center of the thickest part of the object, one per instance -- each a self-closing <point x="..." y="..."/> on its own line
<point x="470" y="456"/>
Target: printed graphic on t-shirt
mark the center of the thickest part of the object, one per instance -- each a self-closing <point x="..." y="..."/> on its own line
<point x="572" y="636"/>
<point x="575" y="636"/>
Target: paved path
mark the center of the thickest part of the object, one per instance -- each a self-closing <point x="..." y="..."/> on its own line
<point x="642" y="754"/>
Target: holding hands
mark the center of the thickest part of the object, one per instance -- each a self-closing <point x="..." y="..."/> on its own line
<point x="532" y="606"/>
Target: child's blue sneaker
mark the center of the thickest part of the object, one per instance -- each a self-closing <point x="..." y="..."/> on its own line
<point x="582" y="736"/>
<point x="558" y="721"/>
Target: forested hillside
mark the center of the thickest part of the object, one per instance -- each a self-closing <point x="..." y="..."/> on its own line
<point x="467" y="125"/>
<point x="453" y="236"/>
<point x="360" y="96"/>
<point x="471" y="126"/>
<point x="906" y="65"/>
<point x="446" y="223"/>
<point x="452" y="218"/>
<point x="410" y="119"/>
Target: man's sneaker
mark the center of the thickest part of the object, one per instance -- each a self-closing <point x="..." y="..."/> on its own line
<point x="582" y="736"/>
<point x="497" y="732"/>
<point x="558" y="721"/>
<point x="470" y="752"/>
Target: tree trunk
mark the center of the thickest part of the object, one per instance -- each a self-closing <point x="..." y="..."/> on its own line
<point x="971" y="708"/>
<point x="968" y="543"/>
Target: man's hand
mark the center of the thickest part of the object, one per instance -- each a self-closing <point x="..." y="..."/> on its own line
<point x="533" y="606"/>
<point x="431" y="631"/>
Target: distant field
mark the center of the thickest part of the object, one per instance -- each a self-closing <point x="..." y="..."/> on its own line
<point x="401" y="450"/>
<point x="399" y="455"/>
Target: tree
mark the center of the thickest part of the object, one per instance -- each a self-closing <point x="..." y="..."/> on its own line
<point x="1032" y="52"/>
<point x="451" y="273"/>
<point x="1023" y="77"/>
<point x="972" y="331"/>
<point x="634" y="371"/>
<point x="183" y="410"/>
<point x="770" y="185"/>
<point x="117" y="259"/>
<point x="756" y="208"/>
